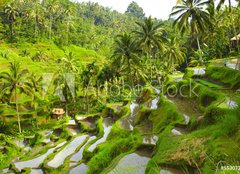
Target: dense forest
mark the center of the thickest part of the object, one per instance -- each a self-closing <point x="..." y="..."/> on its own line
<point x="87" y="89"/>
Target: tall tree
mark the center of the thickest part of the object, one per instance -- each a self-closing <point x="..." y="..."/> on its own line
<point x="174" y="53"/>
<point x="11" y="13"/>
<point x="150" y="35"/>
<point x="14" y="82"/>
<point x="230" y="4"/>
<point x="135" y="10"/>
<point x="52" y="8"/>
<point x="126" y="55"/>
<point x="192" y="15"/>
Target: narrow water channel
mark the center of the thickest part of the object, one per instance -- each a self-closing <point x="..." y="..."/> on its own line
<point x="59" y="159"/>
<point x="128" y="122"/>
<point x="107" y="125"/>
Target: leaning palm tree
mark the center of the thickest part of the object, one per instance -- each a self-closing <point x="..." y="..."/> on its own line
<point x="14" y="82"/>
<point x="191" y="15"/>
<point x="11" y="13"/>
<point x="174" y="54"/>
<point x="126" y="55"/>
<point x="150" y="35"/>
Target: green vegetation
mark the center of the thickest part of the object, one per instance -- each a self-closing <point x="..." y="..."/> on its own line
<point x="66" y="67"/>
<point x="224" y="75"/>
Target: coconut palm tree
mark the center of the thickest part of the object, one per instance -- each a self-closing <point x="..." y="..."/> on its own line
<point x="174" y="53"/>
<point x="221" y="2"/>
<point x="11" y="13"/>
<point x="52" y="8"/>
<point x="15" y="82"/>
<point x="36" y="85"/>
<point x="68" y="15"/>
<point x="191" y="15"/>
<point x="70" y="64"/>
<point x="150" y="35"/>
<point x="88" y="77"/>
<point x="126" y="55"/>
<point x="65" y="81"/>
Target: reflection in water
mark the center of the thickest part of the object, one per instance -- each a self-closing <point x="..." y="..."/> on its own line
<point x="154" y="104"/>
<point x="81" y="169"/>
<point x="231" y="104"/>
<point x="107" y="125"/>
<point x="72" y="122"/>
<point x="128" y="122"/>
<point x="157" y="90"/>
<point x="199" y="71"/>
<point x="34" y="163"/>
<point x="176" y="132"/>
<point x="74" y="130"/>
<point x="162" y="171"/>
<point x="47" y="135"/>
<point x="78" y="156"/>
<point x="133" y="163"/>
<point x="177" y="79"/>
<point x="233" y="63"/>
<point x="20" y="143"/>
<point x="36" y="171"/>
<point x="185" y="107"/>
<point x="150" y="139"/>
<point x="187" y="118"/>
<point x="5" y="170"/>
<point x="68" y="150"/>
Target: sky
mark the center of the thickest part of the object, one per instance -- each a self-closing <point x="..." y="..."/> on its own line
<point x="156" y="8"/>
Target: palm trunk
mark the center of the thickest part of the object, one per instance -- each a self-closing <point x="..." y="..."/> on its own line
<point x="11" y="29"/>
<point x="35" y="109"/>
<point x="150" y="61"/>
<point x="130" y="73"/>
<point x="19" y="123"/>
<point x="230" y="5"/>
<point x="36" y="20"/>
<point x="200" y="51"/>
<point x="50" y="29"/>
<point x="68" y="30"/>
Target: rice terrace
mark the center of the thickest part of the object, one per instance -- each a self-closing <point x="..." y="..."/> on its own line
<point x="120" y="87"/>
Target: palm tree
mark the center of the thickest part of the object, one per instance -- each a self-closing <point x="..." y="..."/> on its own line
<point x="191" y="15"/>
<point x="14" y="82"/>
<point x="174" y="53"/>
<point x="88" y="76"/>
<point x="125" y="55"/>
<point x="11" y="13"/>
<point x="68" y="12"/>
<point x="150" y="35"/>
<point x="221" y="2"/>
<point x="65" y="80"/>
<point x="35" y="97"/>
<point x="52" y="8"/>
<point x="36" y="13"/>
<point x="70" y="64"/>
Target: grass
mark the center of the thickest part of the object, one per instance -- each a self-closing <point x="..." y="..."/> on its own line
<point x="224" y="75"/>
<point x="118" y="142"/>
<point x="209" y="84"/>
<point x="165" y="115"/>
<point x="23" y="52"/>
